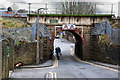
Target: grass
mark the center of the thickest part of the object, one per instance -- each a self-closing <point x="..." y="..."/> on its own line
<point x="13" y="23"/>
<point x="76" y="15"/>
<point x="0" y="21"/>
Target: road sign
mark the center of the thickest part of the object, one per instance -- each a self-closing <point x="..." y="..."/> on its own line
<point x="53" y="21"/>
<point x="68" y="27"/>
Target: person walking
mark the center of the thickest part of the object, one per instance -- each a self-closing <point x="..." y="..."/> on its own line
<point x="58" y="51"/>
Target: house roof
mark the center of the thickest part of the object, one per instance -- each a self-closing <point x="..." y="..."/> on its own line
<point x="12" y="14"/>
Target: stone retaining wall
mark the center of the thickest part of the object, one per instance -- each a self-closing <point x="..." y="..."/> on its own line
<point x="106" y="52"/>
<point x="0" y="59"/>
<point x="26" y="51"/>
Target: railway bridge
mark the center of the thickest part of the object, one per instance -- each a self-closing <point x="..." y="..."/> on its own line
<point x="55" y="23"/>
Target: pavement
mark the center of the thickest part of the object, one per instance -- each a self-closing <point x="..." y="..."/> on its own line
<point x="69" y="66"/>
<point x="105" y="65"/>
<point x="46" y="64"/>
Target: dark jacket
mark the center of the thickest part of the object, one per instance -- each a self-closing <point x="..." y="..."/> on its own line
<point x="57" y="48"/>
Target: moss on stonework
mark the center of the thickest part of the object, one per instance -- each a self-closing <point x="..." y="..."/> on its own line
<point x="76" y="15"/>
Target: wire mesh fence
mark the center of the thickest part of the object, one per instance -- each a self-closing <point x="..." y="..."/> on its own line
<point x="17" y="34"/>
<point x="43" y="30"/>
<point x="25" y="34"/>
<point x="105" y="28"/>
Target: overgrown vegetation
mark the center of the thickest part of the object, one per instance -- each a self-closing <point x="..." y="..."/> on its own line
<point x="115" y="25"/>
<point x="104" y="39"/>
<point x="12" y="23"/>
<point x="86" y="15"/>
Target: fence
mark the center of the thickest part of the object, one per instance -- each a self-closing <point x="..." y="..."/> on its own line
<point x="105" y="28"/>
<point x="18" y="34"/>
<point x="115" y="37"/>
<point x="102" y="28"/>
<point x="109" y="29"/>
<point x="27" y="33"/>
<point x="43" y="31"/>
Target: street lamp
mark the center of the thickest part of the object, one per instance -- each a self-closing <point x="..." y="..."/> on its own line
<point x="29" y="10"/>
<point x="37" y="55"/>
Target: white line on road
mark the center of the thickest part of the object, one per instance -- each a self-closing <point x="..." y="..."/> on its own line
<point x="53" y="75"/>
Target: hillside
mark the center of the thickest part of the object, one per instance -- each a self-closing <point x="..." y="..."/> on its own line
<point x="13" y="23"/>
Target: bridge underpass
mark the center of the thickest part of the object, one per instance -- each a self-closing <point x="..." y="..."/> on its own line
<point x="79" y="40"/>
<point x="87" y="22"/>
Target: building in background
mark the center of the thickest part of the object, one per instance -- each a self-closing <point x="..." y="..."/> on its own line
<point x="13" y="14"/>
<point x="22" y="11"/>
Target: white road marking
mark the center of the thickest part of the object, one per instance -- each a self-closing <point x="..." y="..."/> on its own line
<point x="55" y="75"/>
<point x="51" y="74"/>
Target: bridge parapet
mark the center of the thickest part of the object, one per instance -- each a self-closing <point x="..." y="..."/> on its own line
<point x="50" y="19"/>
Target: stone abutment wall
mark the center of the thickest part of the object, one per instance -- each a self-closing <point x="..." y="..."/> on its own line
<point x="104" y="52"/>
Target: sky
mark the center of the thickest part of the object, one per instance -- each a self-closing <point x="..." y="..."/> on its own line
<point x="7" y="2"/>
<point x="107" y="8"/>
